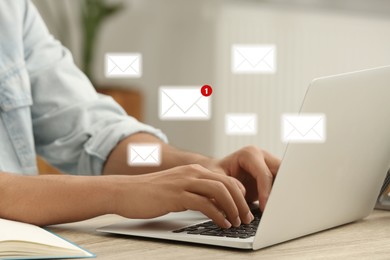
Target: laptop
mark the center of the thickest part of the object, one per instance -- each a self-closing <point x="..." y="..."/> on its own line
<point x="319" y="185"/>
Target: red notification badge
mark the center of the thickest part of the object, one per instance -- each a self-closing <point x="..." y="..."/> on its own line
<point x="206" y="90"/>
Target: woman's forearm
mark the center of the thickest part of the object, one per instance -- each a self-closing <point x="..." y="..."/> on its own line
<point x="170" y="157"/>
<point x="52" y="199"/>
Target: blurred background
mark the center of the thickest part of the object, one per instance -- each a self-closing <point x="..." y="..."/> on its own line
<point x="188" y="43"/>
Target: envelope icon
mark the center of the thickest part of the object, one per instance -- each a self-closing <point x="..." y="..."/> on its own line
<point x="252" y="59"/>
<point x="123" y="65"/>
<point x="143" y="154"/>
<point x="241" y="124"/>
<point x="304" y="128"/>
<point x="183" y="103"/>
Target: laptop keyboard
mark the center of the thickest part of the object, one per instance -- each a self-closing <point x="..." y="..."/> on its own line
<point x="210" y="229"/>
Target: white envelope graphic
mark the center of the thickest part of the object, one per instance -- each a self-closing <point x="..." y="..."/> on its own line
<point x="183" y="103"/>
<point x="248" y="59"/>
<point x="143" y="154"/>
<point x="241" y="124"/>
<point x="304" y="128"/>
<point x="120" y="65"/>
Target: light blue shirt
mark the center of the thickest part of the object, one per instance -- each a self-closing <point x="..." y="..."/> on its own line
<point x="47" y="105"/>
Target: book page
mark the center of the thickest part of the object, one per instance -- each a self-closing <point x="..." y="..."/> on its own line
<point x="17" y="231"/>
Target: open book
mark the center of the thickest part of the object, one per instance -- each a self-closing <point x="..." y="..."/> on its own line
<point x="24" y="241"/>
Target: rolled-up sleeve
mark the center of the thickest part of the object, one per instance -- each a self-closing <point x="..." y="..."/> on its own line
<point x="74" y="127"/>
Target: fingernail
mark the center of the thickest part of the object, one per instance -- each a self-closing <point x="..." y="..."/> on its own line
<point x="237" y="222"/>
<point x="249" y="217"/>
<point x="227" y="224"/>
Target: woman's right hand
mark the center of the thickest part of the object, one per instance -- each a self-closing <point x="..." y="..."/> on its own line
<point x="190" y="187"/>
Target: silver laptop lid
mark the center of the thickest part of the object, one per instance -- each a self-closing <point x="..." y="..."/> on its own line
<point x="322" y="185"/>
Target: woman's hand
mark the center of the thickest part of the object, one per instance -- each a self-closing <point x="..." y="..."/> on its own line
<point x="219" y="197"/>
<point x="253" y="167"/>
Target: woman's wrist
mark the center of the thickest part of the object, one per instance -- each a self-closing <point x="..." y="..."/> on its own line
<point x="211" y="164"/>
<point x="114" y="187"/>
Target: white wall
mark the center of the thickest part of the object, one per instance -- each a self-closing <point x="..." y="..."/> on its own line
<point x="310" y="43"/>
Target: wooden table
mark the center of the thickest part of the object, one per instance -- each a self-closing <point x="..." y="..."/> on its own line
<point x="365" y="239"/>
